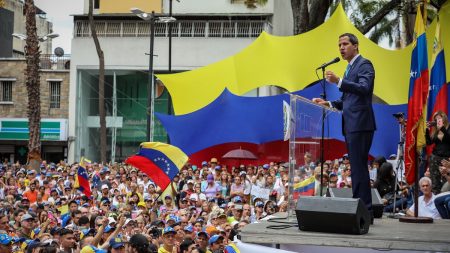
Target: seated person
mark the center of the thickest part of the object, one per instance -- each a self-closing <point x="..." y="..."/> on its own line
<point x="426" y="201"/>
<point x="385" y="184"/>
<point x="442" y="200"/>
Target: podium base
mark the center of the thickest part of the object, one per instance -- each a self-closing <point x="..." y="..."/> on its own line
<point x="416" y="219"/>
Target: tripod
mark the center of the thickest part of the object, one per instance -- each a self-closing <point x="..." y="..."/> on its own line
<point x="398" y="170"/>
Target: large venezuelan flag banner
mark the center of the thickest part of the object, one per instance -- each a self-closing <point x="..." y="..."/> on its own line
<point x="160" y="161"/>
<point x="304" y="188"/>
<point x="418" y="96"/>
<point x="438" y="98"/>
<point x="82" y="178"/>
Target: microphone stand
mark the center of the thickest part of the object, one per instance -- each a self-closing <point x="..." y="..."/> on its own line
<point x="322" y="140"/>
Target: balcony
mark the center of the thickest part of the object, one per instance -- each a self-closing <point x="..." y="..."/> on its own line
<point x="54" y="62"/>
<point x="182" y="29"/>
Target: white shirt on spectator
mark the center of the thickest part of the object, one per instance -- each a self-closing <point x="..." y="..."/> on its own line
<point x="427" y="209"/>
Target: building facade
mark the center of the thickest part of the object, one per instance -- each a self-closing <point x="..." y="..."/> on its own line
<point x="43" y="25"/>
<point x="54" y="81"/>
<point x="204" y="32"/>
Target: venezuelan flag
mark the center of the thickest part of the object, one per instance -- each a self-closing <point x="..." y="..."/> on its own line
<point x="305" y="187"/>
<point x="438" y="98"/>
<point x="160" y="161"/>
<point x="418" y="96"/>
<point x="82" y="178"/>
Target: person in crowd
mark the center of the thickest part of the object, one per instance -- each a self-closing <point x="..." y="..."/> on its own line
<point x="438" y="133"/>
<point x="442" y="201"/>
<point x="426" y="201"/>
<point x="386" y="186"/>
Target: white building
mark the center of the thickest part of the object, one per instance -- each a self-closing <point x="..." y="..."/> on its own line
<point x="205" y="32"/>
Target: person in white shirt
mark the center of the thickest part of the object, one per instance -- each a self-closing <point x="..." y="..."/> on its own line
<point x="426" y="201"/>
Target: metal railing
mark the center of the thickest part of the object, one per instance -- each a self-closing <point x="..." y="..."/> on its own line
<point x="54" y="62"/>
<point x="182" y="28"/>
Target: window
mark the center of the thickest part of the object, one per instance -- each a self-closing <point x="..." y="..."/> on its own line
<point x="6" y="90"/>
<point x="96" y="4"/>
<point x="55" y="94"/>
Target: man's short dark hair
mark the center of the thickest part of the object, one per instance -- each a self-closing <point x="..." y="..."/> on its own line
<point x="65" y="231"/>
<point x="353" y="39"/>
<point x="84" y="220"/>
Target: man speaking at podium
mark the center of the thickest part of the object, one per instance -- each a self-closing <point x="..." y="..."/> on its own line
<point x="358" y="120"/>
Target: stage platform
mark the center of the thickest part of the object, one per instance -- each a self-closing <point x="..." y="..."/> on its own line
<point x="385" y="235"/>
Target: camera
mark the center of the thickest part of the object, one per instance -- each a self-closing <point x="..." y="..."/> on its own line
<point x="155" y="232"/>
<point x="432" y="123"/>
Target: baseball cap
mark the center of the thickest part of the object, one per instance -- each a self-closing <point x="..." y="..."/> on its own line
<point x="237" y="199"/>
<point x="210" y="177"/>
<point x="5" y="239"/>
<point x="259" y="204"/>
<point x="169" y="230"/>
<point x="204" y="163"/>
<point x="92" y="249"/>
<point x="202" y="233"/>
<point x="190" y="181"/>
<point x="213" y="160"/>
<point x="108" y="229"/>
<point x="214" y="239"/>
<point x="116" y="242"/>
<point x="218" y="167"/>
<point x="266" y="166"/>
<point x="105" y="186"/>
<point x="26" y="216"/>
<point x="189" y="228"/>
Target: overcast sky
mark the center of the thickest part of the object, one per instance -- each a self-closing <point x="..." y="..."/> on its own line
<point x="59" y="13"/>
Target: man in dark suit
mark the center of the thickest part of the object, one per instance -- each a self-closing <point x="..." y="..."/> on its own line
<point x="358" y="120"/>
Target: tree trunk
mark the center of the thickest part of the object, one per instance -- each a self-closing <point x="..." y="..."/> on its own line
<point x="300" y="16"/>
<point x="317" y="13"/>
<point x="101" y="84"/>
<point x="32" y="55"/>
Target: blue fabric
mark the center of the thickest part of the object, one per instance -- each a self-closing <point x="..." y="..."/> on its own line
<point x="232" y="118"/>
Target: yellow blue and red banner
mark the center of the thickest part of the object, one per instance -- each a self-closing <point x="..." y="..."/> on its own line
<point x="304" y="188"/>
<point x="438" y="97"/>
<point x="160" y="161"/>
<point x="418" y="95"/>
<point x="82" y="178"/>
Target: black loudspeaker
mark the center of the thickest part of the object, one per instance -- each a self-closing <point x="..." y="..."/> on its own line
<point x="332" y="215"/>
<point x="377" y="204"/>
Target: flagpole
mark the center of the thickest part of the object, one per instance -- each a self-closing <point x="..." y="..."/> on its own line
<point x="416" y="218"/>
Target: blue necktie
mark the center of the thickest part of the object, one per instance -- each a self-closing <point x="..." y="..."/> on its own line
<point x="347" y="70"/>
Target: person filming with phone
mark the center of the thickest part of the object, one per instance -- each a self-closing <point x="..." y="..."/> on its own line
<point x="438" y="133"/>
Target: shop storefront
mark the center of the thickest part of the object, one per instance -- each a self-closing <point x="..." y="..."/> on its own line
<point x="14" y="135"/>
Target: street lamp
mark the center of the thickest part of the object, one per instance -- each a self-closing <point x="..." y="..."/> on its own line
<point x="151" y="85"/>
<point x="40" y="38"/>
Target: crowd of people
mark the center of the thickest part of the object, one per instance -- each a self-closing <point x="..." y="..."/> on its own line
<point x="201" y="210"/>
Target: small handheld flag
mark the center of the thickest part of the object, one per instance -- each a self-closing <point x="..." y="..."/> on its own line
<point x="82" y="178"/>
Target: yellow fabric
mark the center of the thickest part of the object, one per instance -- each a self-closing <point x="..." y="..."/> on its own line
<point x="290" y="62"/>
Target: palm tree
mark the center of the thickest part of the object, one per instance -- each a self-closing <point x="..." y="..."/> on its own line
<point x="32" y="55"/>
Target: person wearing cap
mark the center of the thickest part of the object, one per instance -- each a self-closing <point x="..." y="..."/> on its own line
<point x="259" y="211"/>
<point x="168" y="238"/>
<point x="202" y="241"/>
<point x="27" y="223"/>
<point x="5" y="243"/>
<point x="116" y="245"/>
<point x="216" y="243"/>
<point x="211" y="189"/>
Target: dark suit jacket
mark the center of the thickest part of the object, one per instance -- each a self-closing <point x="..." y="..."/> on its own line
<point x="356" y="100"/>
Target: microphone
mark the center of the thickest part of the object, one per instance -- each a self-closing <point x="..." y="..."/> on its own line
<point x="335" y="60"/>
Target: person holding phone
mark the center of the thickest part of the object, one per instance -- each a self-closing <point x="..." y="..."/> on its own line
<point x="438" y="133"/>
